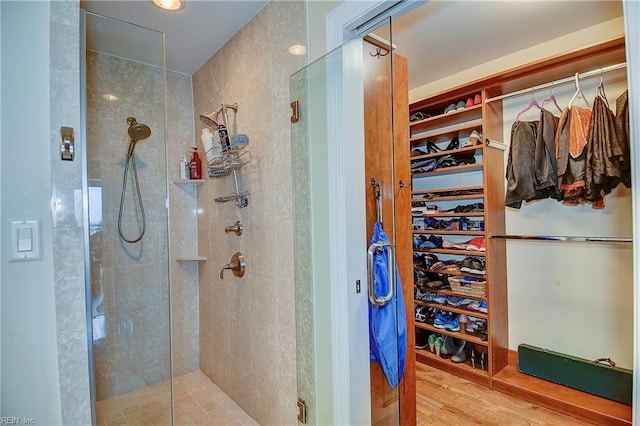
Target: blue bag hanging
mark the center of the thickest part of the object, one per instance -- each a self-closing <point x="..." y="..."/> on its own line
<point x="387" y="322"/>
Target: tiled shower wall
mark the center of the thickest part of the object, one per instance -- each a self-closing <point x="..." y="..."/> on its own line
<point x="247" y="325"/>
<point x="185" y="354"/>
<point x="130" y="285"/>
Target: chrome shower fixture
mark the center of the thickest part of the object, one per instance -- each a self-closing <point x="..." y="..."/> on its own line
<point x="207" y="120"/>
<point x="210" y="119"/>
<point x="137" y="132"/>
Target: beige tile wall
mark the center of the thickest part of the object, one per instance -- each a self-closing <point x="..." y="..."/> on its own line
<point x="247" y="325"/>
<point x="185" y="353"/>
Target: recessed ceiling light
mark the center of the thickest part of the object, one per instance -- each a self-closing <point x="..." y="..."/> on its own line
<point x="169" y="4"/>
<point x="297" y="49"/>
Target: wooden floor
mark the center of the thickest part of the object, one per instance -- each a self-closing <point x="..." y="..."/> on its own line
<point x="444" y="399"/>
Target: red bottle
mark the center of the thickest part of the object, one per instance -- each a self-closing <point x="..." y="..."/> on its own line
<point x="196" y="165"/>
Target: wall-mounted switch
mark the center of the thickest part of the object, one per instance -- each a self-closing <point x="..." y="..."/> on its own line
<point x="25" y="240"/>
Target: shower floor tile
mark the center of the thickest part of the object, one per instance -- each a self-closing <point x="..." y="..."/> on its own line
<point x="197" y="401"/>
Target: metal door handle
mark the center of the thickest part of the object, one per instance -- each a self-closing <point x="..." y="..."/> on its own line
<point x="381" y="301"/>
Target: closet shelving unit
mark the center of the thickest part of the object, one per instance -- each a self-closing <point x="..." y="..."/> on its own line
<point x="502" y="373"/>
<point x="453" y="186"/>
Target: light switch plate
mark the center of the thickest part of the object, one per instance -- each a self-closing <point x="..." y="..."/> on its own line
<point x="25" y="240"/>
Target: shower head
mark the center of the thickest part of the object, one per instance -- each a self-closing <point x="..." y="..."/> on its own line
<point x="137" y="131"/>
<point x="208" y="120"/>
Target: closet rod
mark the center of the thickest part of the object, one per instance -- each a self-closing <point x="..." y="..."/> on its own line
<point x="563" y="238"/>
<point x="557" y="82"/>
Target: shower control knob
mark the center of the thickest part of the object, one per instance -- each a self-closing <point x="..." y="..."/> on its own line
<point x="236" y="228"/>
<point x="237" y="266"/>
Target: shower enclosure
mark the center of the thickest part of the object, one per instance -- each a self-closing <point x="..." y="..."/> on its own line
<point x="128" y="301"/>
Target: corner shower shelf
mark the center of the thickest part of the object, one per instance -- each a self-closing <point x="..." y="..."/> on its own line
<point x="191" y="258"/>
<point x="188" y="181"/>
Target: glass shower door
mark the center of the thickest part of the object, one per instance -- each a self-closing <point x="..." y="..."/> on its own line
<point x="316" y="92"/>
<point x="127" y="232"/>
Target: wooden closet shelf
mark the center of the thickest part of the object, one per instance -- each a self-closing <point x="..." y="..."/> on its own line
<point x="463" y="370"/>
<point x="458" y="335"/>
<point x="560" y="398"/>
<point x="439" y="154"/>
<point x="449" y="132"/>
<point x="453" y="273"/>
<point x="442" y="120"/>
<point x="451" y="170"/>
<point x="478" y="233"/>
<point x="452" y="251"/>
<point x="435" y="192"/>
<point x="451" y="293"/>
<point x="448" y="198"/>
<point x="467" y="214"/>
<point x="455" y="309"/>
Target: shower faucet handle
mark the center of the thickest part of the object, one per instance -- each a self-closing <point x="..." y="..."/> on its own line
<point x="236" y="228"/>
<point x="237" y="266"/>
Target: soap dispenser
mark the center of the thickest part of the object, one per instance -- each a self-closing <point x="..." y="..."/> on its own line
<point x="196" y="165"/>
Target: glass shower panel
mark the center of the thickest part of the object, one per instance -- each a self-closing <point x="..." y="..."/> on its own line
<point x="311" y="88"/>
<point x="126" y="181"/>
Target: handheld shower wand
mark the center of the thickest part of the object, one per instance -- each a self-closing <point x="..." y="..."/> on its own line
<point x="137" y="132"/>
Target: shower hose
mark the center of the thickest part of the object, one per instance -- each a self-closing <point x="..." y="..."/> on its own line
<point x="131" y="159"/>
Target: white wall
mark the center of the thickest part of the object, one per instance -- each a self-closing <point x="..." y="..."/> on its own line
<point x="29" y="355"/>
<point x="567" y="43"/>
<point x="573" y="298"/>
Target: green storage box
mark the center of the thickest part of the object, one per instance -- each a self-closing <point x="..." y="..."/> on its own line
<point x="589" y="376"/>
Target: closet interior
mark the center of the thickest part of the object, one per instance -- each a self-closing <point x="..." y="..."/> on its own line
<point x="479" y="264"/>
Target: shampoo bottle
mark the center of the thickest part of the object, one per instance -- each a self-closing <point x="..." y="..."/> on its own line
<point x="196" y="166"/>
<point x="211" y="151"/>
<point x="184" y="172"/>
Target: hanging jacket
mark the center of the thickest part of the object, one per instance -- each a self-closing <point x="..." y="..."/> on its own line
<point x="622" y="129"/>
<point x="570" y="141"/>
<point x="387" y="323"/>
<point x="604" y="155"/>
<point x="520" y="165"/>
<point x="545" y="167"/>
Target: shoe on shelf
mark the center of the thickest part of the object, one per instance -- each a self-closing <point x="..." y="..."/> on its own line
<point x="420" y="313"/>
<point x="422" y="341"/>
<point x="477" y="99"/>
<point x="437" y="343"/>
<point x="458" y="301"/>
<point x="475" y="138"/>
<point x="447" y="320"/>
<point x="453" y="144"/>
<point x="417" y="116"/>
<point x="459" y="356"/>
<point x="460" y="105"/>
<point x="448" y="346"/>
<point x="468" y="323"/>
<point x="431" y="341"/>
<point x="450" y="108"/>
<point x="477" y="244"/>
<point x="469" y="102"/>
<point x="440" y="298"/>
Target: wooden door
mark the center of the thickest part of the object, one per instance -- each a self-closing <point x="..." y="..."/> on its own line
<point x="387" y="161"/>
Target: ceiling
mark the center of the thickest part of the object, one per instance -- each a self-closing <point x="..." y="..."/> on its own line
<point x="192" y="34"/>
<point x="439" y="38"/>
